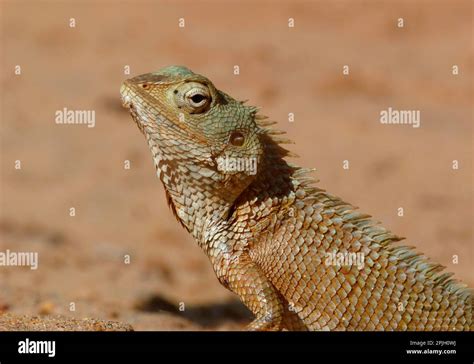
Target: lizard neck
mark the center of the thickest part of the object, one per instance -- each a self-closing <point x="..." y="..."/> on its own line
<point x="272" y="193"/>
<point x="205" y="201"/>
<point x="199" y="197"/>
<point x="195" y="207"/>
<point x="268" y="199"/>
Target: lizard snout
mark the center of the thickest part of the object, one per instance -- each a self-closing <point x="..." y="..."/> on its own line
<point x="125" y="94"/>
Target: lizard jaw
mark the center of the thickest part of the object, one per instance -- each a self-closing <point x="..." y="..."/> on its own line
<point x="126" y="98"/>
<point x="127" y="94"/>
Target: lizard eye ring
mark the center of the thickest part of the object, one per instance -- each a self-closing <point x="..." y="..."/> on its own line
<point x="194" y="97"/>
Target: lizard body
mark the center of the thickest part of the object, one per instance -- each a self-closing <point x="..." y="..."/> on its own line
<point x="269" y="233"/>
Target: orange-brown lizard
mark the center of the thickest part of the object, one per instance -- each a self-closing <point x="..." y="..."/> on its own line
<point x="298" y="257"/>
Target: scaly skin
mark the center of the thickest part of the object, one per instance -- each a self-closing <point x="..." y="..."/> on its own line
<point x="268" y="234"/>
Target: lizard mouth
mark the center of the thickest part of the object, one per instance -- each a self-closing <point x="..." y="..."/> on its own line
<point x="127" y="104"/>
<point x="126" y="98"/>
<point x="126" y="94"/>
<point x="135" y="116"/>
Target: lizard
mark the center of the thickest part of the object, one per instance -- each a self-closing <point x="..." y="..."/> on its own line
<point x="269" y="231"/>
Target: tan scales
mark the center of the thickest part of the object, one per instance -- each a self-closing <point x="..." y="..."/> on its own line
<point x="268" y="234"/>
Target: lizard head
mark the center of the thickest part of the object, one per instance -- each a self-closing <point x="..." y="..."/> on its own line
<point x="202" y="140"/>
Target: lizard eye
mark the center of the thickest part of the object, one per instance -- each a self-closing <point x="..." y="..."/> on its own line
<point x="194" y="97"/>
<point x="198" y="99"/>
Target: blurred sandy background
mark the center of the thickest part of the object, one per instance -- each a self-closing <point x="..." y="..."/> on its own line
<point x="299" y="70"/>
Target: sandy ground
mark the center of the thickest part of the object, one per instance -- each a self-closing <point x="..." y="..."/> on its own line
<point x="123" y="212"/>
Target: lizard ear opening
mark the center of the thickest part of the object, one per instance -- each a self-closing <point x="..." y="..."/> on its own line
<point x="237" y="139"/>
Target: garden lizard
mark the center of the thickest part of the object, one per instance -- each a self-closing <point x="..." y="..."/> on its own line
<point x="286" y="247"/>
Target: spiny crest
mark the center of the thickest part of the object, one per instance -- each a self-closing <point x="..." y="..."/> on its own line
<point x="263" y="123"/>
<point x="379" y="236"/>
<point x="430" y="270"/>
